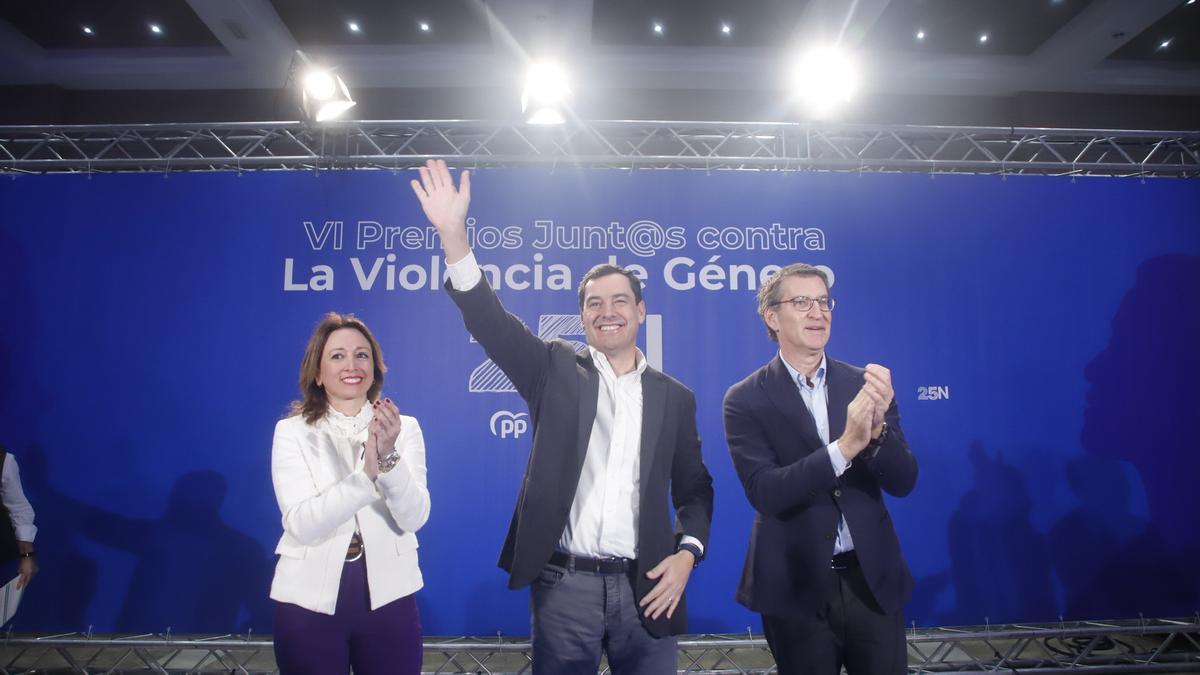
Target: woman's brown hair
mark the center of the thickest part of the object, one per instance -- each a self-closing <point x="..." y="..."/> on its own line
<point x="313" y="403"/>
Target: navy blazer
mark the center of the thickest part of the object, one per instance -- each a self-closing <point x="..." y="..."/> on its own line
<point x="561" y="388"/>
<point x="788" y="477"/>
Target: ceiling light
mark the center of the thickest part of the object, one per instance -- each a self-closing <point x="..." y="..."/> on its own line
<point x="658" y="29"/>
<point x="423" y="26"/>
<point x="726" y="28"/>
<point x="920" y="35"/>
<point x="983" y="38"/>
<point x="353" y="26"/>
<point x="323" y="94"/>
<point x="824" y="79"/>
<point x="319" y="83"/>
<point x="546" y="94"/>
<point x="87" y="30"/>
<point x="156" y="29"/>
<point x="1165" y="43"/>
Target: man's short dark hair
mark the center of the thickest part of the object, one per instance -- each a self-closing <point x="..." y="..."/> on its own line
<point x="603" y="270"/>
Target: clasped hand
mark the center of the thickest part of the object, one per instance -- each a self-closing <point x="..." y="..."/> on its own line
<point x="382" y="433"/>
<point x="865" y="414"/>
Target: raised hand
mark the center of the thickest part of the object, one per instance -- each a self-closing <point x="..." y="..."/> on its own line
<point x="445" y="206"/>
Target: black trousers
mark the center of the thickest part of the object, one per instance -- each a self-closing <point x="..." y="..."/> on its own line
<point x="850" y="629"/>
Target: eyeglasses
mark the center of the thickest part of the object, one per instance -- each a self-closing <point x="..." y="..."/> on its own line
<point x="803" y="303"/>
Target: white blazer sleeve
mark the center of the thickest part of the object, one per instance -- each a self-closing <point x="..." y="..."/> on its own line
<point x="309" y="515"/>
<point x="403" y="488"/>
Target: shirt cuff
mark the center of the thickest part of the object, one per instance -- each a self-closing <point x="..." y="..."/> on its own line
<point x="25" y="532"/>
<point x="465" y="273"/>
<point x="685" y="539"/>
<point x="837" y="459"/>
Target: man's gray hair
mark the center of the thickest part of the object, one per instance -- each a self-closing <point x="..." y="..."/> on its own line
<point x="768" y="293"/>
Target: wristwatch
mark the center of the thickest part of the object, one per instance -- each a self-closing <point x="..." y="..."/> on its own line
<point x="389" y="461"/>
<point x="878" y="441"/>
<point x="693" y="549"/>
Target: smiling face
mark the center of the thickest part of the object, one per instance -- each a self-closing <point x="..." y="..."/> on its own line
<point x="800" y="333"/>
<point x="611" y="315"/>
<point x="347" y="369"/>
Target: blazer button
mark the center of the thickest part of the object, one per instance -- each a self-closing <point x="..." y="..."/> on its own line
<point x="837" y="492"/>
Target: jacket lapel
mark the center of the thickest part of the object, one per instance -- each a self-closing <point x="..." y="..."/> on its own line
<point x="589" y="392"/>
<point x="654" y="405"/>
<point x="783" y="393"/>
<point x="844" y="384"/>
<point x="331" y="454"/>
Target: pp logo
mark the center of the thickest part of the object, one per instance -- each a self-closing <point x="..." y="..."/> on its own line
<point x="507" y="424"/>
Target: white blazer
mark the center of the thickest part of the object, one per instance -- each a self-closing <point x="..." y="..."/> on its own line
<point x="323" y="493"/>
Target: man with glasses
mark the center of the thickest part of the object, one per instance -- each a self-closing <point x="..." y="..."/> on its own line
<point x="815" y="442"/>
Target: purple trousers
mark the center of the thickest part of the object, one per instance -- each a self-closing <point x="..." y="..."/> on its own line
<point x="387" y="640"/>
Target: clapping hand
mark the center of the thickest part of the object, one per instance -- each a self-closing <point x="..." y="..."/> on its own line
<point x="382" y="434"/>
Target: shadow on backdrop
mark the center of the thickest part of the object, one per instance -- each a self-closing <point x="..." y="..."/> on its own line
<point x="192" y="573"/>
<point x="999" y="563"/>
<point x="1101" y="548"/>
<point x="1141" y="409"/>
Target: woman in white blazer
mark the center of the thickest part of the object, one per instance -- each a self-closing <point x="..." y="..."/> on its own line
<point x="349" y="475"/>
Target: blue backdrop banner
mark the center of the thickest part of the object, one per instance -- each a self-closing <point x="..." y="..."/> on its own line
<point x="1041" y="332"/>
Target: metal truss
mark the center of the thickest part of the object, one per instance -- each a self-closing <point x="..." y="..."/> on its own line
<point x="612" y="144"/>
<point x="1159" y="645"/>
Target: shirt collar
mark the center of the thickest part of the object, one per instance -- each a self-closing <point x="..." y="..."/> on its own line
<point x="798" y="378"/>
<point x="350" y="425"/>
<point x="605" y="367"/>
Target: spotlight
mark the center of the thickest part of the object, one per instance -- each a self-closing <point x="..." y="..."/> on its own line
<point x="87" y="30"/>
<point x="546" y="94"/>
<point x="1165" y="43"/>
<point x="658" y="28"/>
<point x="920" y="35"/>
<point x="156" y="29"/>
<point x="353" y="26"/>
<point x="726" y="29"/>
<point x="983" y="38"/>
<point x="424" y="27"/>
<point x="323" y="95"/>
<point x="824" y="79"/>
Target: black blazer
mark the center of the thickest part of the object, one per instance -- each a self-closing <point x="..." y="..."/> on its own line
<point x="785" y="470"/>
<point x="561" y="388"/>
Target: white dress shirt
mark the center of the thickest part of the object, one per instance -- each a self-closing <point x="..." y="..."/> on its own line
<point x="604" y="513"/>
<point x="815" y="393"/>
<point x="19" y="510"/>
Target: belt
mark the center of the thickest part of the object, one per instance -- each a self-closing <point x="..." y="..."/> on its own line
<point x="355" y="550"/>
<point x="844" y="561"/>
<point x="577" y="563"/>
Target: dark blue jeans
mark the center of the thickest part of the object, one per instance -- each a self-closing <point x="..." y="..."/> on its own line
<point x="579" y="615"/>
